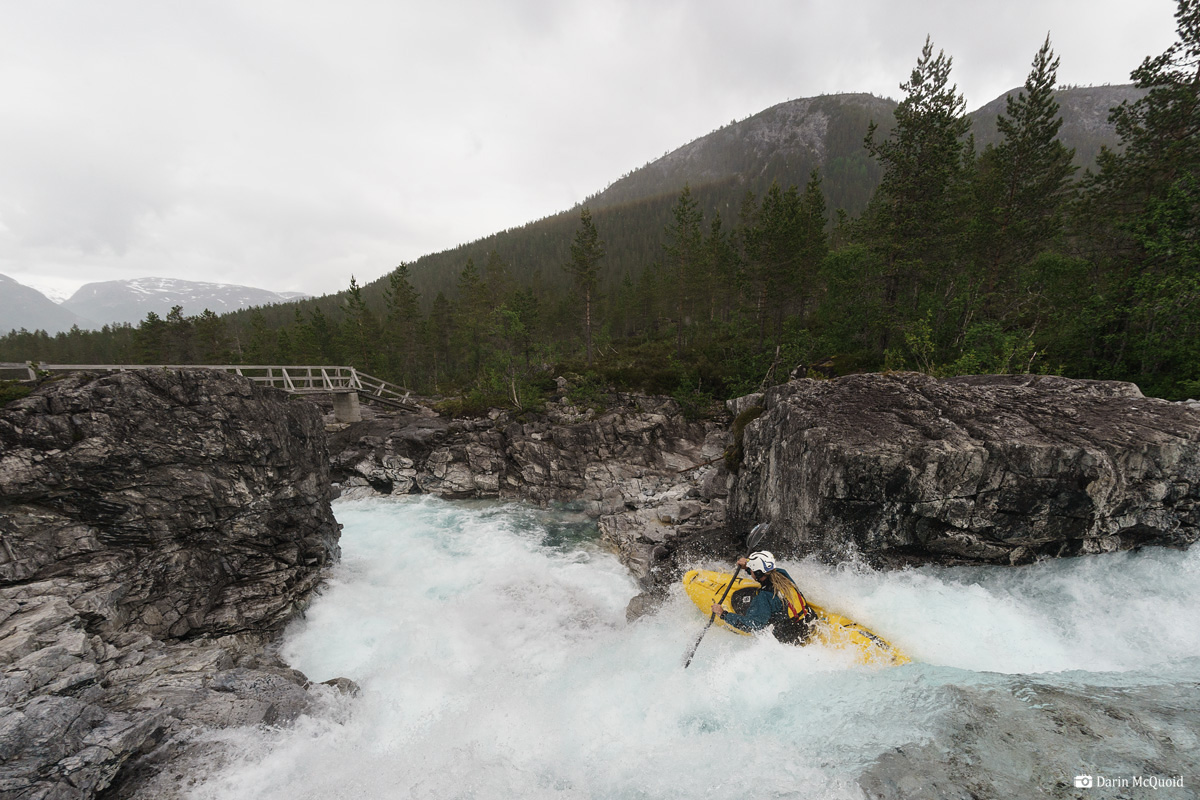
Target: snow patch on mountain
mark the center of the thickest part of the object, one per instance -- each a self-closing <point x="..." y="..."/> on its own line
<point x="22" y="306"/>
<point x="129" y="301"/>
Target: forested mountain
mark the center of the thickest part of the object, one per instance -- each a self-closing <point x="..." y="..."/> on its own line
<point x="782" y="144"/>
<point x="839" y="233"/>
<point x="1086" y="126"/>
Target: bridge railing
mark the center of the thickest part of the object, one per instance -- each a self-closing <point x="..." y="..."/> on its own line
<point x="294" y="379"/>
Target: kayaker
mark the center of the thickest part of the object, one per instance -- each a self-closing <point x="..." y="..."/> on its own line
<point x="779" y="602"/>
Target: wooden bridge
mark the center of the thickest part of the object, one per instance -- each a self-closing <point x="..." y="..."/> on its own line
<point x="346" y="384"/>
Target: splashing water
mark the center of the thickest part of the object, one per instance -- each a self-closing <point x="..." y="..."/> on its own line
<point x="494" y="658"/>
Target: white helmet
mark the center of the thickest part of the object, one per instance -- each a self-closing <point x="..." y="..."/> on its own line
<point x="760" y="561"/>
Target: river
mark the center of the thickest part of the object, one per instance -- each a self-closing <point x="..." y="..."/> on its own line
<point x="491" y="647"/>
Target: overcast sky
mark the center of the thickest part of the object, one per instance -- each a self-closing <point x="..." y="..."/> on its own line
<point x="288" y="145"/>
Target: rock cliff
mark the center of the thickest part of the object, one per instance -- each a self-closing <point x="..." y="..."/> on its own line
<point x="156" y="527"/>
<point x="986" y="469"/>
<point x="648" y="476"/>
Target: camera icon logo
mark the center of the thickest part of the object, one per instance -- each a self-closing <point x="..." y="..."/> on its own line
<point x="1083" y="782"/>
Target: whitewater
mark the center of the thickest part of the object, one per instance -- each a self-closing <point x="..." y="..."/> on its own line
<point x="495" y="661"/>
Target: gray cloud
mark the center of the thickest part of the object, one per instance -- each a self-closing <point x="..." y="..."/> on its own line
<point x="287" y="146"/>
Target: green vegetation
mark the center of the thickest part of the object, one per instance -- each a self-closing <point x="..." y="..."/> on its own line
<point x="735" y="453"/>
<point x="586" y="252"/>
<point x="960" y="261"/>
<point x="13" y="390"/>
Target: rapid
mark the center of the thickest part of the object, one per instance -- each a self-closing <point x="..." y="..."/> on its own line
<point x="491" y="647"/>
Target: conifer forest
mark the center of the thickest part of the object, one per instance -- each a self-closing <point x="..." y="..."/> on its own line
<point x="909" y="247"/>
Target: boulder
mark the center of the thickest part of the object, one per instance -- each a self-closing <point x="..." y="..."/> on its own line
<point x="903" y="467"/>
<point x="158" y="528"/>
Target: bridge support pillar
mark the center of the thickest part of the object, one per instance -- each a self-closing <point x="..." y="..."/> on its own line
<point x="345" y="407"/>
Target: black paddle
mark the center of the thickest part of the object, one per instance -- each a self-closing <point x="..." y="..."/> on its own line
<point x="752" y="539"/>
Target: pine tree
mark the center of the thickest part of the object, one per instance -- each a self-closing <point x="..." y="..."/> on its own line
<point x="360" y="330"/>
<point x="212" y="342"/>
<point x="321" y="336"/>
<point x="814" y="241"/>
<point x="403" y="323"/>
<point x="624" y="315"/>
<point x="441" y="335"/>
<point x="149" y="340"/>
<point x="914" y="215"/>
<point x="261" y="349"/>
<point x="497" y="280"/>
<point x="720" y="269"/>
<point x="1025" y="179"/>
<point x="177" y="340"/>
<point x="303" y="344"/>
<point x="524" y="305"/>
<point x="773" y="248"/>
<point x="472" y="313"/>
<point x="1140" y="208"/>
<point x="1159" y="142"/>
<point x="683" y="259"/>
<point x="1160" y="133"/>
<point x="587" y="250"/>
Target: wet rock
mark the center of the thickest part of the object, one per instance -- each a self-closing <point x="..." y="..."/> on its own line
<point x="238" y="697"/>
<point x="995" y="469"/>
<point x="1032" y="739"/>
<point x="644" y="604"/>
<point x="86" y="744"/>
<point x="344" y="685"/>
<point x="158" y="528"/>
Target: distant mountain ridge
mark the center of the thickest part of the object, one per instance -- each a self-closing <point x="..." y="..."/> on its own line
<point x="1084" y="113"/>
<point x="23" y="306"/>
<point x="129" y="301"/>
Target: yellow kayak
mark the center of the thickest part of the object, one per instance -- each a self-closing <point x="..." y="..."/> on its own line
<point x="832" y="630"/>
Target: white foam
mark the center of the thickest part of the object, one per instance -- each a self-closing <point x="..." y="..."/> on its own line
<point x="496" y="665"/>
<point x="1109" y="613"/>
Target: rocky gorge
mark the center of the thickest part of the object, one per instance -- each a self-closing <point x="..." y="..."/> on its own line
<point x="896" y="468"/>
<point x="161" y="527"/>
<point x="649" y="477"/>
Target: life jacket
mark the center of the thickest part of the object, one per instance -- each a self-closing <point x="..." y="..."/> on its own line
<point x="793" y="600"/>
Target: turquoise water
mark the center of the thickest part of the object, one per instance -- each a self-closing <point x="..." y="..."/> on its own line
<point x="495" y="661"/>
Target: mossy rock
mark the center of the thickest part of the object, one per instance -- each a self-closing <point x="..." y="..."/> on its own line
<point x="734" y="453"/>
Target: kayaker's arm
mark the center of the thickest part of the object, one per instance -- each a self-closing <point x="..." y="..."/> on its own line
<point x="757" y="615"/>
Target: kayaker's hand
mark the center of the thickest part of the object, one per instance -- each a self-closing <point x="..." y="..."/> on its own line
<point x="718" y="609"/>
<point x="742" y="562"/>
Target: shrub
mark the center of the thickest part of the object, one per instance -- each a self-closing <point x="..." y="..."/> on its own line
<point x="13" y="390"/>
